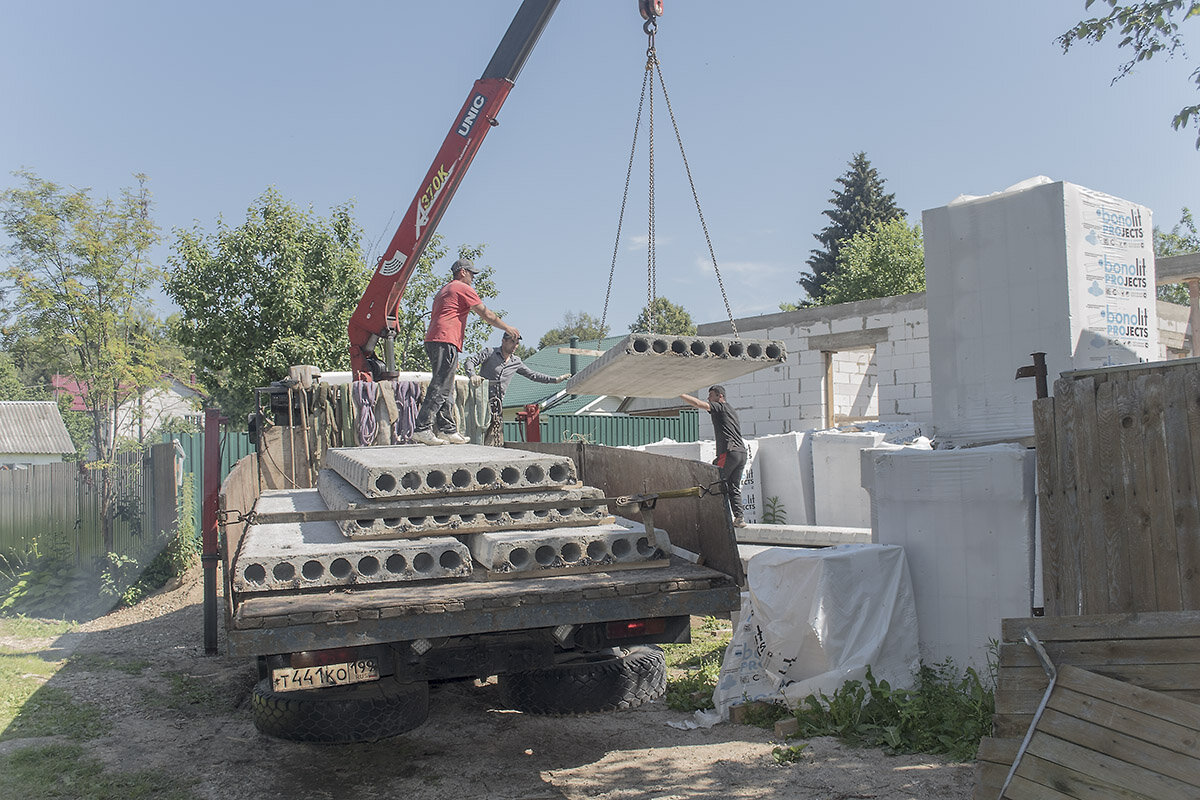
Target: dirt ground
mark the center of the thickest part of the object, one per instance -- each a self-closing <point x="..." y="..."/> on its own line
<point x="189" y="714"/>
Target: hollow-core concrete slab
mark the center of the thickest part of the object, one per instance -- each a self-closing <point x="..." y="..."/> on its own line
<point x="621" y="542"/>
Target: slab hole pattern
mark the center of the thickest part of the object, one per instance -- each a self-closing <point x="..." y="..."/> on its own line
<point x="545" y="555"/>
<point x="396" y="564"/>
<point x="535" y="474"/>
<point x="284" y="571"/>
<point x="386" y="483"/>
<point x="392" y="522"/>
<point x="416" y="521"/>
<point x="542" y="513"/>
<point x="493" y="516"/>
<point x="659" y="346"/>
<point x="411" y="481"/>
<point x="450" y="559"/>
<point x="423" y="562"/>
<point x="443" y="519"/>
<point x="736" y="349"/>
<point x="643" y="546"/>
<point x="679" y="347"/>
<point x="486" y="476"/>
<point x="510" y="475"/>
<point x="340" y="568"/>
<point x="255" y="573"/>
<point x="621" y="548"/>
<point x="773" y="351"/>
<point x="754" y="351"/>
<point x="597" y="550"/>
<point x="518" y="557"/>
<point x="589" y="510"/>
<point x="368" y="565"/>
<point x="698" y="348"/>
<point x="436" y="479"/>
<point x="560" y="473"/>
<point x="467" y="519"/>
<point x="517" y="516"/>
<point x="461" y="478"/>
<point x="363" y="524"/>
<point x="312" y="570"/>
<point x="717" y="349"/>
<point x="571" y="552"/>
<point x="640" y="345"/>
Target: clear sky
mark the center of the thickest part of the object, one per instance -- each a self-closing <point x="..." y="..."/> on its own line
<point x="335" y="102"/>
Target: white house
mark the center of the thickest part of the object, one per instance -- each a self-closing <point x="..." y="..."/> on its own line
<point x="32" y="432"/>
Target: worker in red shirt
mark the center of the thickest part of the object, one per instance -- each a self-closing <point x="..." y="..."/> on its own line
<point x="443" y="343"/>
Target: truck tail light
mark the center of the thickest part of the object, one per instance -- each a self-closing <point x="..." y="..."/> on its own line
<point x="632" y="628"/>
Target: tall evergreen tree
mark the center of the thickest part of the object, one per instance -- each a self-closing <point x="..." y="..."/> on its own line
<point x="860" y="203"/>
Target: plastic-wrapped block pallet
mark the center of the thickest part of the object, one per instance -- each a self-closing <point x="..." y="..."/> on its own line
<point x="839" y="498"/>
<point x="653" y="365"/>
<point x="1042" y="267"/>
<point x="706" y="451"/>
<point x="458" y="515"/>
<point x="966" y="521"/>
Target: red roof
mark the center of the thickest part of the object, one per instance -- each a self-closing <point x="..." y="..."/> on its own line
<point x="65" y="384"/>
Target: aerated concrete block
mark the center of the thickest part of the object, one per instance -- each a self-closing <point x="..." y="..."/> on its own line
<point x="423" y="471"/>
<point x="459" y="515"/>
<point x="304" y="555"/>
<point x="621" y="542"/>
<point x="650" y="365"/>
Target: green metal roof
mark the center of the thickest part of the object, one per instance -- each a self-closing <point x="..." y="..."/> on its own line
<point x="548" y="360"/>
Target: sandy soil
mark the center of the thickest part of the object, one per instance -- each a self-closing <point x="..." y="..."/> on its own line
<point x="190" y="713"/>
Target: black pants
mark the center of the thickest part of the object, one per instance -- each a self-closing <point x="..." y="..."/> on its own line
<point x="731" y="474"/>
<point x="437" y="410"/>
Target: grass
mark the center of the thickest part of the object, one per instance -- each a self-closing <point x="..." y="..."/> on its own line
<point x="65" y="772"/>
<point x="692" y="668"/>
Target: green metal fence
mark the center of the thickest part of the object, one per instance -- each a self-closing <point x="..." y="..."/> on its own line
<point x="234" y="445"/>
<point x="615" y="430"/>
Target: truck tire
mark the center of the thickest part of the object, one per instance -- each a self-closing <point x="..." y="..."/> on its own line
<point x="611" y="680"/>
<point x="362" y="712"/>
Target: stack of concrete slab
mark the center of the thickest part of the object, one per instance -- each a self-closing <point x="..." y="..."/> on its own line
<point x="653" y="365"/>
<point x="413" y="513"/>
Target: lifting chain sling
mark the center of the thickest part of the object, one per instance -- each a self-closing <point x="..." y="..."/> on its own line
<point x="652" y="68"/>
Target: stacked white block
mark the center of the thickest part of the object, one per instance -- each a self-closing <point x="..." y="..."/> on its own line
<point x="458" y="515"/>
<point x="303" y="555"/>
<point x="651" y="365"/>
<point x="421" y="471"/>
<point x="839" y="497"/>
<point x="622" y="542"/>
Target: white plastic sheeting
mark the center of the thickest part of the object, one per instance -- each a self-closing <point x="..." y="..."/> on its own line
<point x="814" y="619"/>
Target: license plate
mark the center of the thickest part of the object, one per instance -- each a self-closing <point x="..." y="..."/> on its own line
<point x="290" y="679"/>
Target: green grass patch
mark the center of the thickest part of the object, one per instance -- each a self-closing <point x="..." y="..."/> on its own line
<point x="28" y="707"/>
<point x="32" y="628"/>
<point x="692" y="668"/>
<point x="64" y="772"/>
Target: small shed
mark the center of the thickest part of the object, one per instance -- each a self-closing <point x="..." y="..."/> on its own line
<point x="32" y="432"/>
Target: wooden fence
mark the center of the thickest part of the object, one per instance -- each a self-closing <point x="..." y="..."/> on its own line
<point x="1118" y="462"/>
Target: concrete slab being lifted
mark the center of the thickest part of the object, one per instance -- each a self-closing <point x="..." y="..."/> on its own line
<point x="650" y="365"/>
<point x="547" y="508"/>
<point x="416" y="470"/>
<point x="304" y="555"/>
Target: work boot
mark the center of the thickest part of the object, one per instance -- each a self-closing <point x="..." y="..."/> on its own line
<point x="738" y="522"/>
<point x="454" y="438"/>
<point x="426" y="437"/>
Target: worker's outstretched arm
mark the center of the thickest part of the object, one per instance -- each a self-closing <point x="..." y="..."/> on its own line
<point x="695" y="402"/>
<point x="490" y="317"/>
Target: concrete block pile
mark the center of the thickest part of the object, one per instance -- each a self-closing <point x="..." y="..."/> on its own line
<point x="404" y="513"/>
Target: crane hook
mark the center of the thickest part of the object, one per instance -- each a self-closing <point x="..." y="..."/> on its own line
<point x="650" y="9"/>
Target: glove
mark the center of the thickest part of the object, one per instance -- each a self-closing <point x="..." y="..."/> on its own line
<point x="562" y="378"/>
<point x="476" y="380"/>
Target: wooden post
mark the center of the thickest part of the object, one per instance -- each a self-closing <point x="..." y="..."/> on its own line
<point x="829" y="354"/>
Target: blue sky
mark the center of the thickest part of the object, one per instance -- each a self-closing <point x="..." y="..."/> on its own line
<point x="341" y="102"/>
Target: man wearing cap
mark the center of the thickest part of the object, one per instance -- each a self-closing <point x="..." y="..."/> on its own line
<point x="497" y="365"/>
<point x="443" y="343"/>
<point x="731" y="448"/>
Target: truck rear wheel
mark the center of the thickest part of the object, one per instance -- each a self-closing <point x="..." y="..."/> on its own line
<point x="362" y="712"/>
<point x="610" y="680"/>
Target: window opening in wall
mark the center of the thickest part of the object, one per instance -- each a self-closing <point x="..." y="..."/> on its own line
<point x="851" y="386"/>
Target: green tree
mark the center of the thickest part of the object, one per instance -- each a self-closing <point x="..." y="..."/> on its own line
<point x="860" y="202"/>
<point x="885" y="260"/>
<point x="1182" y="240"/>
<point x="80" y="271"/>
<point x="417" y="303"/>
<point x="273" y="292"/>
<point x="11" y="386"/>
<point x="579" y="324"/>
<point x="1149" y="28"/>
<point x="664" y="317"/>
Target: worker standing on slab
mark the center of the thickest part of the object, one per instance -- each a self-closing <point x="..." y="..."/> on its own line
<point x="731" y="448"/>
<point x="497" y="365"/>
<point x="443" y="343"/>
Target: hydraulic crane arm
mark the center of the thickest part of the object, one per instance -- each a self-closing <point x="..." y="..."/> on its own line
<point x="375" y="317"/>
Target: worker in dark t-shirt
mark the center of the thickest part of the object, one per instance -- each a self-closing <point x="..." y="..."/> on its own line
<point x="731" y="448"/>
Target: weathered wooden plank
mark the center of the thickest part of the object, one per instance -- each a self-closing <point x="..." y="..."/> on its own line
<point x="1022" y="788"/>
<point x="1104" y="769"/>
<point x="1089" y="536"/>
<point x="1108" y="711"/>
<point x="1104" y="651"/>
<point x="1158" y="677"/>
<point x="1123" y="748"/>
<point x="1023" y="702"/>
<point x="1065" y="579"/>
<point x="1049" y="498"/>
<point x="1189" y="537"/>
<point x="1013" y="725"/>
<point x="1116" y="523"/>
<point x="1039" y="772"/>
<point x="1162" y="516"/>
<point x="1162" y="625"/>
<point x="1132" y="696"/>
<point x="1139" y="548"/>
